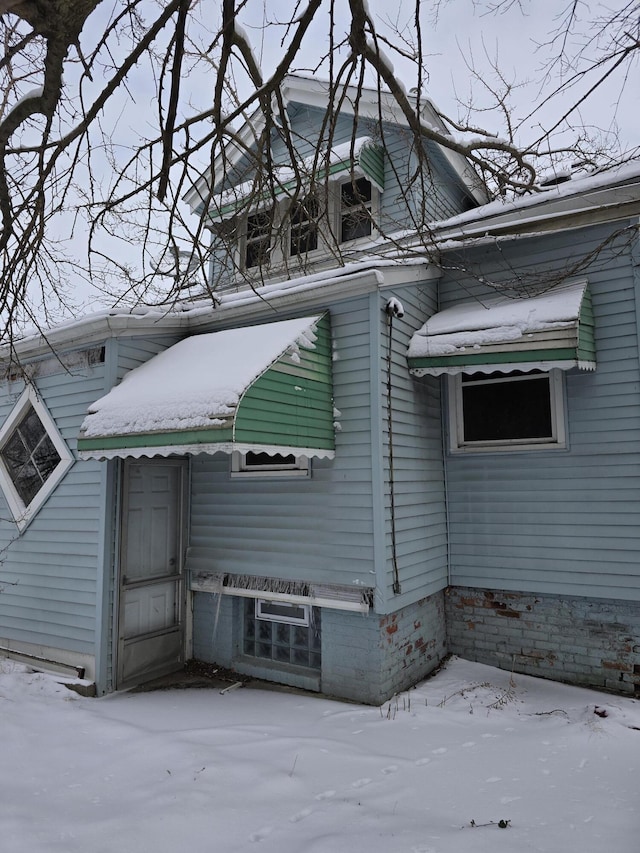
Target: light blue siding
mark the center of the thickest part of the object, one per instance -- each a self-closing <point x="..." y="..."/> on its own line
<point x="314" y="529"/>
<point x="48" y="572"/>
<point x="565" y="522"/>
<point x="418" y="476"/>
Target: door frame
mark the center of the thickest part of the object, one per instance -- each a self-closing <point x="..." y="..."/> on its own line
<point x="184" y="620"/>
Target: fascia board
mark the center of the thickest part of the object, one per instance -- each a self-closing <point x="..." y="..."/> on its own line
<point x="103" y="326"/>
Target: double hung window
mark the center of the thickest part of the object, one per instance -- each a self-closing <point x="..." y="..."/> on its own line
<point x="301" y="229"/>
<point x="506" y="411"/>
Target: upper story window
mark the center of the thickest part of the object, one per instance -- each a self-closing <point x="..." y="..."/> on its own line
<point x="303" y="227"/>
<point x="307" y="228"/>
<point x="33" y="457"/>
<point x="257" y="249"/>
<point x="506" y="411"/>
<point x="356" y="214"/>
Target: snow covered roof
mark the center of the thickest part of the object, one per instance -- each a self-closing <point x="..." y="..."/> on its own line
<point x="265" y="388"/>
<point x="551" y="329"/>
<point x="579" y="199"/>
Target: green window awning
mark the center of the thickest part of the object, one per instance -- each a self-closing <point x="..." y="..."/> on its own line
<point x="554" y="328"/>
<point x="263" y="388"/>
<point x="360" y="157"/>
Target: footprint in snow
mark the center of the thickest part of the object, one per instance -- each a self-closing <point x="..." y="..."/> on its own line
<point x="440" y="751"/>
<point x="392" y="768"/>
<point x="325" y="795"/>
<point x="493" y="779"/>
<point x="261" y="834"/>
<point x="422" y="761"/>
<point x="469" y="743"/>
<point x="296" y="818"/>
<point x="360" y="783"/>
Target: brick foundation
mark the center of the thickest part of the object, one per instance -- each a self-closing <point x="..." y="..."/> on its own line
<point x="370" y="658"/>
<point x="585" y="641"/>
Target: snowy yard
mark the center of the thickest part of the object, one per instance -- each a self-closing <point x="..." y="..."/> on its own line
<point x="261" y="770"/>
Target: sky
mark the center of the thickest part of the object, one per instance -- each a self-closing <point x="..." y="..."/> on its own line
<point x="435" y="770"/>
<point x="462" y="35"/>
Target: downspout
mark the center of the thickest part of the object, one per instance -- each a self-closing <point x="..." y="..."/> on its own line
<point x="393" y="308"/>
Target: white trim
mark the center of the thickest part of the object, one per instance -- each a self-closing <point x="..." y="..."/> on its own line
<point x="24" y="514"/>
<point x="329" y="231"/>
<point x="524" y="367"/>
<point x="288" y="620"/>
<point x="557" y="441"/>
<point x="209" y="449"/>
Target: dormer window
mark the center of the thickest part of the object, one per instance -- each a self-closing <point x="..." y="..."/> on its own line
<point x="257" y="250"/>
<point x="356" y="214"/>
<point x="301" y="229"/>
<point x="304" y="227"/>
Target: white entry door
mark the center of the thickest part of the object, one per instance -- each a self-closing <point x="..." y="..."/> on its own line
<point x="151" y="605"/>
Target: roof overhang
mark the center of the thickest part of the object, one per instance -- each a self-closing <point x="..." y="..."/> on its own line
<point x="553" y="329"/>
<point x="374" y="104"/>
<point x="263" y="388"/>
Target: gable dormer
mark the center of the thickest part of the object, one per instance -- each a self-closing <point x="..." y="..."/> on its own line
<point x="325" y="188"/>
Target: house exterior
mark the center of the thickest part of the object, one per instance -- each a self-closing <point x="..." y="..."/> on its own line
<point x="364" y="455"/>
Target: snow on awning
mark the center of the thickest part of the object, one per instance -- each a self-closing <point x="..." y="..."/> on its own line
<point x="553" y="329"/>
<point x="260" y="388"/>
<point x="359" y="157"/>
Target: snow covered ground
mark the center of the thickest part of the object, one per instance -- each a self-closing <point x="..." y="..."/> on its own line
<point x="434" y="771"/>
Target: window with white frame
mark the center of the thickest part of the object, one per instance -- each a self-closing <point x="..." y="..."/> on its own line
<point x="33" y="457"/>
<point x="304" y="228"/>
<point x="284" y="633"/>
<point x="260" y="464"/>
<point x="506" y="411"/>
<point x="356" y="210"/>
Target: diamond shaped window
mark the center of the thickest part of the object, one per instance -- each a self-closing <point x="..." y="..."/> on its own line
<point x="33" y="457"/>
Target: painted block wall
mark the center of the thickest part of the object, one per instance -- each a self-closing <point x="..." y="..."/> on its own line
<point x="365" y="658"/>
<point x="371" y="658"/>
<point x="593" y="642"/>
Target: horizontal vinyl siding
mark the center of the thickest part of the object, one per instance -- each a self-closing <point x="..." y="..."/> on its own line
<point x="565" y="522"/>
<point x="420" y="519"/>
<point x="48" y="573"/>
<point x="318" y="528"/>
<point x="131" y="353"/>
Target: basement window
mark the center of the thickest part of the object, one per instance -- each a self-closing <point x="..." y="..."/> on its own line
<point x="507" y="411"/>
<point x="282" y="632"/>
<point x="33" y="457"/>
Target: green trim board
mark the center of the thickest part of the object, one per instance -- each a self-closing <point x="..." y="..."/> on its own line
<point x="366" y="160"/>
<point x="553" y="329"/>
<point x="284" y="406"/>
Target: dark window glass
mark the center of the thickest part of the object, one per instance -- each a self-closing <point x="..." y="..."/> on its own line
<point x="29" y="456"/>
<point x="261" y="460"/>
<point x="258" y="245"/>
<point x="507" y="409"/>
<point x="304" y="227"/>
<point x="355" y="205"/>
